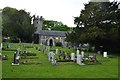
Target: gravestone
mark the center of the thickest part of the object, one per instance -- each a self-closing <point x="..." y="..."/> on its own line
<point x="19" y="41"/>
<point x="98" y="52"/>
<point x="105" y="54"/>
<point x="94" y="57"/>
<point x="82" y="54"/>
<point x="68" y="55"/>
<point x="56" y="51"/>
<point x="53" y="61"/>
<point x="15" y="62"/>
<point x="73" y="56"/>
<point x="87" y="55"/>
<point x="16" y="57"/>
<point x="79" y="60"/>
<point x="49" y="56"/>
<point x="0" y="57"/>
<point x="78" y="52"/>
<point x="1" y="47"/>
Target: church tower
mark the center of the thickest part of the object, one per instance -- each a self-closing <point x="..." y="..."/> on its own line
<point x="37" y="21"/>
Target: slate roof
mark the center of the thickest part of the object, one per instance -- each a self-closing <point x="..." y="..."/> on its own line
<point x="51" y="33"/>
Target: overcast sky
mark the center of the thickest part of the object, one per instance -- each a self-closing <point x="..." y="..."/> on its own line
<point x="58" y="10"/>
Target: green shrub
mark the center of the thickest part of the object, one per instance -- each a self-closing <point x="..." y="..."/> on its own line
<point x="58" y="44"/>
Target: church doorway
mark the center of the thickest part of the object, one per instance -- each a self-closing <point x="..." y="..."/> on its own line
<point x="51" y="42"/>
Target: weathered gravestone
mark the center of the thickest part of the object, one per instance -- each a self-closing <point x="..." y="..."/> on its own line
<point x="105" y="54"/>
<point x="0" y="57"/>
<point x="54" y="62"/>
<point x="79" y="60"/>
<point x="82" y="54"/>
<point x="78" y="52"/>
<point x="87" y="55"/>
<point x="50" y="56"/>
<point x="16" y="57"/>
<point x="15" y="62"/>
<point x="68" y="55"/>
<point x="94" y="57"/>
<point x="98" y="52"/>
<point x="0" y="46"/>
<point x="56" y="51"/>
<point x="73" y="56"/>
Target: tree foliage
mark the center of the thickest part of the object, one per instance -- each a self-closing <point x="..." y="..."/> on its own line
<point x="17" y="24"/>
<point x="100" y="23"/>
<point x="54" y="25"/>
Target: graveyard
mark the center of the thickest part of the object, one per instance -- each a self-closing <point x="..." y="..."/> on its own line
<point x="27" y="60"/>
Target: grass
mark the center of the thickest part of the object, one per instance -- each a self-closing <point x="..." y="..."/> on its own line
<point x="108" y="68"/>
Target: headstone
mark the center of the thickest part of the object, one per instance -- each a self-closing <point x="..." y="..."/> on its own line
<point x="32" y="42"/>
<point x="79" y="60"/>
<point x="87" y="55"/>
<point x="19" y="41"/>
<point x="73" y="56"/>
<point x="98" y="52"/>
<point x="56" y="51"/>
<point x="49" y="56"/>
<point x="15" y="61"/>
<point x="53" y="58"/>
<point x="68" y="55"/>
<point x="94" y="57"/>
<point x="104" y="54"/>
<point x="78" y="52"/>
<point x="0" y="56"/>
<point x="1" y="47"/>
<point x="82" y="54"/>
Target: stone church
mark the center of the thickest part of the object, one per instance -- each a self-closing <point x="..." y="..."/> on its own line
<point x="47" y="37"/>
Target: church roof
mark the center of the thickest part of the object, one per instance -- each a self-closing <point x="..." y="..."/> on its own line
<point x="51" y="33"/>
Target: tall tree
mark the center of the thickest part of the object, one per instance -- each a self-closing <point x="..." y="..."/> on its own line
<point x="101" y="23"/>
<point x="17" y="24"/>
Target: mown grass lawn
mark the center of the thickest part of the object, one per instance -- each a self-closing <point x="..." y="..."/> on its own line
<point x="108" y="68"/>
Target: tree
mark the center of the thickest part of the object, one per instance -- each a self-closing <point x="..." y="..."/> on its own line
<point x="101" y="23"/>
<point x="54" y="25"/>
<point x="17" y="24"/>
